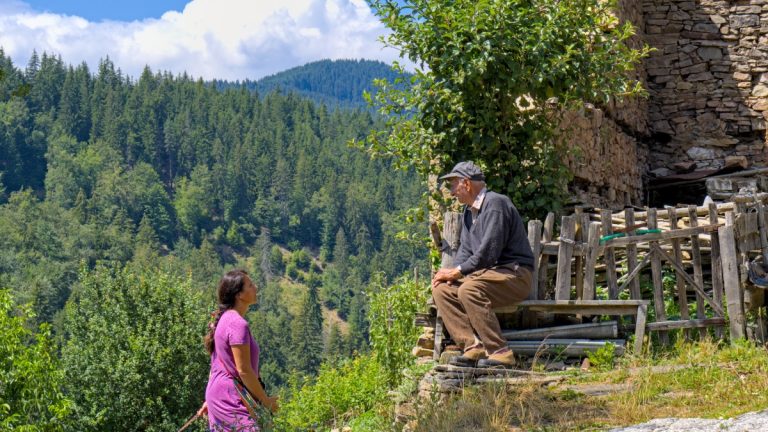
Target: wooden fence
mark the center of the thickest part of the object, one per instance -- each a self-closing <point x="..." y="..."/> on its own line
<point x="632" y="255"/>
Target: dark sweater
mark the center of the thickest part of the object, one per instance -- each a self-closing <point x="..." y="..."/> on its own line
<point x="496" y="238"/>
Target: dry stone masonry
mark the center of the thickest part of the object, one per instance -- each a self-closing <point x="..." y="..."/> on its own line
<point x="708" y="80"/>
<point x="708" y="99"/>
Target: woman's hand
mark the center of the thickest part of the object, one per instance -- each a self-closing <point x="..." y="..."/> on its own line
<point x="271" y="404"/>
<point x="203" y="411"/>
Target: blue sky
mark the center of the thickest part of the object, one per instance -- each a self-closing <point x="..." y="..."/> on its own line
<point x="224" y="39"/>
<point x="98" y="10"/>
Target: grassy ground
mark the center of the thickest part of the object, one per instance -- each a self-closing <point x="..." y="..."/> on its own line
<point x="701" y="379"/>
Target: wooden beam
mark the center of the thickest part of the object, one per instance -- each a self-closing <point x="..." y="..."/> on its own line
<point x="696" y="323"/>
<point x="680" y="271"/>
<point x="733" y="291"/>
<point x="564" y="255"/>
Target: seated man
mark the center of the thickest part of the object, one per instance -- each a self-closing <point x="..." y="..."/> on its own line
<point x="492" y="268"/>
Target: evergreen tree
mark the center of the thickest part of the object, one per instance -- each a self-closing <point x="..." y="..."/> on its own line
<point x="306" y="335"/>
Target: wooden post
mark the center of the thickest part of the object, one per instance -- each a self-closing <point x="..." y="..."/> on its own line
<point x="642" y="314"/>
<point x="634" y="284"/>
<point x="546" y="236"/>
<point x="658" y="282"/>
<point x="593" y="250"/>
<point x="564" y="255"/>
<point x="698" y="274"/>
<point x="717" y="265"/>
<point x="763" y="224"/>
<point x="579" y="237"/>
<point x="534" y="239"/>
<point x="733" y="291"/>
<point x="609" y="257"/>
<point x="682" y="291"/>
<point x="452" y="225"/>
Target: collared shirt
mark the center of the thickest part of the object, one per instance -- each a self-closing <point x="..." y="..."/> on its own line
<point x="477" y="204"/>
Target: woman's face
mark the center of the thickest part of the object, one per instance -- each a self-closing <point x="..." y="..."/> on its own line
<point x="249" y="294"/>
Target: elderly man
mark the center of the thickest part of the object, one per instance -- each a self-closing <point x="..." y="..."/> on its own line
<point x="492" y="268"/>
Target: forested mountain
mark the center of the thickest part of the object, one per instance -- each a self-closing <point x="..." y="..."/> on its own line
<point x="335" y="83"/>
<point x="169" y="173"/>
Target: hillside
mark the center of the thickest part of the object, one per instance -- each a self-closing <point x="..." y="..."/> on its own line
<point x="335" y="83"/>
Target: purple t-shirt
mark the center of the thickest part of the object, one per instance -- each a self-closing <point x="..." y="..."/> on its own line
<point x="225" y="409"/>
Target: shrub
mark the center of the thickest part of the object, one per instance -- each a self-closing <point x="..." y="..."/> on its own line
<point x="337" y="395"/>
<point x="30" y="378"/>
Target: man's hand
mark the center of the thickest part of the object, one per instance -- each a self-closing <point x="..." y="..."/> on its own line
<point x="446" y="275"/>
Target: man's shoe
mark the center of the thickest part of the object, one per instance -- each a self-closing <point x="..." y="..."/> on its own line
<point x="502" y="360"/>
<point x="469" y="358"/>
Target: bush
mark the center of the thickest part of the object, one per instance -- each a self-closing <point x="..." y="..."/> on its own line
<point x="337" y="395"/>
<point x="133" y="354"/>
<point x="30" y="378"/>
<point x="393" y="333"/>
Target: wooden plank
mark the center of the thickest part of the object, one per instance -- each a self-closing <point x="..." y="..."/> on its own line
<point x="666" y="235"/>
<point x="733" y="291"/>
<point x="642" y="316"/>
<point x="681" y="272"/>
<point x="564" y="347"/>
<point x="696" y="323"/>
<point x="656" y="277"/>
<point x="546" y="236"/>
<point x="601" y="330"/>
<point x="564" y="255"/>
<point x="534" y="238"/>
<point x="586" y="307"/>
<point x="761" y="218"/>
<point x="593" y="250"/>
<point x="717" y="266"/>
<point x="701" y="211"/>
<point x="677" y="258"/>
<point x="698" y="273"/>
<point x="635" y="271"/>
<point x="578" y="261"/>
<point x="634" y="284"/>
<point x="609" y="257"/>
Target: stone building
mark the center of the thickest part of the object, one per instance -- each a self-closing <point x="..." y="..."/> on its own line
<point x="708" y="100"/>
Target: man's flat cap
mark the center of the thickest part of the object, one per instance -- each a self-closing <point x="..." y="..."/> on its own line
<point x="467" y="170"/>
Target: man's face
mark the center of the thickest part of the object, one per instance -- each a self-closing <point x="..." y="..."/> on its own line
<point x="461" y="190"/>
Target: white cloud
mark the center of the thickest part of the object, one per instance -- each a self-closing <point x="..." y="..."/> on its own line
<point x="225" y="39"/>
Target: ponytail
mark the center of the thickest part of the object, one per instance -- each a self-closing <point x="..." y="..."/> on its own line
<point x="229" y="286"/>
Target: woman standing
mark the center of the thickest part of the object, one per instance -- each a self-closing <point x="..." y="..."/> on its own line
<point x="234" y="353"/>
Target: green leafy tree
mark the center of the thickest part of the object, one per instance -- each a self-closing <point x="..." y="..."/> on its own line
<point x="133" y="355"/>
<point x="491" y="77"/>
<point x="31" y="397"/>
<point x="392" y="333"/>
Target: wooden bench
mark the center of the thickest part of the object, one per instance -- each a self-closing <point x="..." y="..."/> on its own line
<point x="583" y="307"/>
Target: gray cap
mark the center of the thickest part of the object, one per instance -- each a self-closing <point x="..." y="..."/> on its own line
<point x="467" y="170"/>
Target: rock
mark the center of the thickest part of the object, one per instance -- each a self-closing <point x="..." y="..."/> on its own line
<point x="699" y="153"/>
<point x="741" y="21"/>
<point x="422" y="352"/>
<point x="710" y="53"/>
<point x="760" y="90"/>
<point x="737" y="161"/>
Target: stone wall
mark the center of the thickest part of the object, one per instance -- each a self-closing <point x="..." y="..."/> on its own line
<point x="612" y="155"/>
<point x="708" y="81"/>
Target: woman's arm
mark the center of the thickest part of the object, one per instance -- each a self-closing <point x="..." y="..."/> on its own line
<point x="242" y="355"/>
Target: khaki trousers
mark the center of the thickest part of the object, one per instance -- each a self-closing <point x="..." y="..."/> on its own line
<point x="466" y="305"/>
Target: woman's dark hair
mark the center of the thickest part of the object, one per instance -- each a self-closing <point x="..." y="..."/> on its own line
<point x="229" y="286"/>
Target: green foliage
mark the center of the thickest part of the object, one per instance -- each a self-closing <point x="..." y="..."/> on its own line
<point x="491" y="77"/>
<point x="338" y="394"/>
<point x="602" y="358"/>
<point x="393" y="333"/>
<point x="133" y="355"/>
<point x="31" y="398"/>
